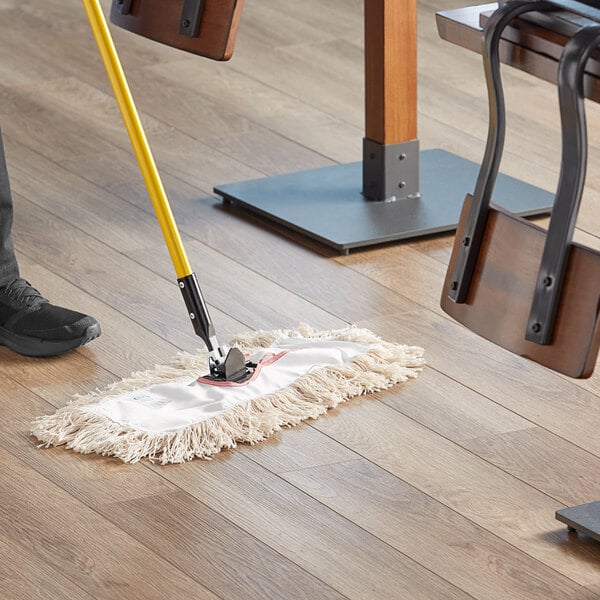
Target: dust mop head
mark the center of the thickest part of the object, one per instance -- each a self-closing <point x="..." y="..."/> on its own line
<point x="171" y="415"/>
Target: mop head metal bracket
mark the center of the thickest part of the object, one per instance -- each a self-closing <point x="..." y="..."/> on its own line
<point x="231" y="366"/>
<point x="235" y="368"/>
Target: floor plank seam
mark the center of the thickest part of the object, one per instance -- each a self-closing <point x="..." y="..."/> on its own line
<point x="104" y="518"/>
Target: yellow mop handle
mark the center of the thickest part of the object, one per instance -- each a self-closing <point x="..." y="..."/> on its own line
<point x="137" y="136"/>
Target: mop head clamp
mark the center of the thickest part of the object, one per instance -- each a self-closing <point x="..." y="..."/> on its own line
<point x="224" y="366"/>
<point x="234" y="368"/>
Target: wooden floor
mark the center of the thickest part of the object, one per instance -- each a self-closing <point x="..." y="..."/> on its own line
<point x="444" y="488"/>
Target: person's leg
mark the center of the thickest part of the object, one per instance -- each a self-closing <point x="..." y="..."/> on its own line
<point x="8" y="263"/>
<point x="29" y="324"/>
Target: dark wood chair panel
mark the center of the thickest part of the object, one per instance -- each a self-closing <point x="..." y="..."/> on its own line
<point x="160" y="20"/>
<point x="502" y="289"/>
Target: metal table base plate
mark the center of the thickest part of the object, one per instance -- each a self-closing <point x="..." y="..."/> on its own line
<point x="327" y="204"/>
<point x="584" y="518"/>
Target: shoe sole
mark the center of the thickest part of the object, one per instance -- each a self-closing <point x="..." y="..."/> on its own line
<point x="32" y="346"/>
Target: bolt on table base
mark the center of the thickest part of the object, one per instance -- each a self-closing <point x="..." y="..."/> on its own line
<point x="327" y="204"/>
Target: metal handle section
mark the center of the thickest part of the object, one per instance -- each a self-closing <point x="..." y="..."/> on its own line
<point x="477" y="218"/>
<point x="198" y="313"/>
<point x="557" y="248"/>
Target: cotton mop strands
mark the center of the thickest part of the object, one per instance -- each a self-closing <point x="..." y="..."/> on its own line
<point x="170" y="416"/>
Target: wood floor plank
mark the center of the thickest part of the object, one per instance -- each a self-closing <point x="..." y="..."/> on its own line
<point x="28" y="60"/>
<point x="317" y="539"/>
<point x="506" y="507"/>
<point x="25" y="185"/>
<point x="87" y="208"/>
<point x="298" y="448"/>
<point x="234" y="564"/>
<point x="64" y="44"/>
<point x="270" y="108"/>
<point x="269" y="153"/>
<point x="562" y="470"/>
<point x="454" y="410"/>
<point x="403" y="269"/>
<point x="59" y="378"/>
<point x="438" y="247"/>
<point x="346" y="294"/>
<point x="167" y="523"/>
<point x="437" y="402"/>
<point x="84" y="547"/>
<point x="23" y="577"/>
<point x="135" y="233"/>
<point x="93" y="480"/>
<point x="351" y="25"/>
<point x="335" y="86"/>
<point x="290" y="29"/>
<point x="265" y="305"/>
<point x="171" y="523"/>
<point x="591" y="385"/>
<point x="524" y="387"/>
<point x="57" y="126"/>
<point x="468" y="556"/>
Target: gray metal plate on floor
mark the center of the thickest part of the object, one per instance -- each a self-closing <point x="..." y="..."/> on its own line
<point x="327" y="204"/>
<point x="584" y="518"/>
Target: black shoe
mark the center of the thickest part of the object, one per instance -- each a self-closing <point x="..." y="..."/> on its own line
<point x="30" y="325"/>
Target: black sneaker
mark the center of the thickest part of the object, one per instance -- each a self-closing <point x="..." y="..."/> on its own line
<point x="30" y="325"/>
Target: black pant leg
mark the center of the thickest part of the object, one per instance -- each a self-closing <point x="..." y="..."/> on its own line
<point x="9" y="269"/>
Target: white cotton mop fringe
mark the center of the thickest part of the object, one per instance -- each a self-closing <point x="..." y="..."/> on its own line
<point x="169" y="415"/>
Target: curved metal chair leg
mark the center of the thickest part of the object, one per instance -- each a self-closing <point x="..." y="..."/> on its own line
<point x="465" y="264"/>
<point x="555" y="257"/>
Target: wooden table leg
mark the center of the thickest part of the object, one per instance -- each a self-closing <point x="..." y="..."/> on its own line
<point x="391" y="71"/>
<point x="390" y="147"/>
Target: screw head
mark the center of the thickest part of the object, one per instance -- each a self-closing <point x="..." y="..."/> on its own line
<point x="536" y="327"/>
<point x="186" y="23"/>
<point x="454" y="285"/>
<point x="192" y="316"/>
<point x="181" y="284"/>
<point x="402" y="184"/>
<point x="466" y="241"/>
<point x="402" y="156"/>
<point x="547" y="281"/>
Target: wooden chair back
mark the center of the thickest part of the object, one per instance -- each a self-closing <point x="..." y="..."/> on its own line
<point x="533" y="292"/>
<point x="204" y="27"/>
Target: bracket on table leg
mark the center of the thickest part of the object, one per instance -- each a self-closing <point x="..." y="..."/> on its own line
<point x="390" y="171"/>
